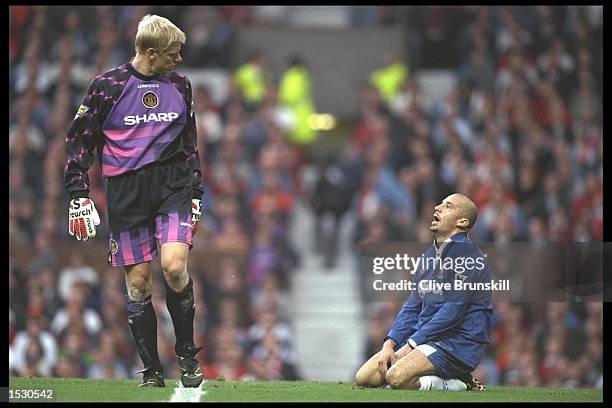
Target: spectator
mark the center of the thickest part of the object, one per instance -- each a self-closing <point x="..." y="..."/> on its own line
<point x="526" y="115"/>
<point x="279" y="360"/>
<point x="272" y="294"/>
<point x="75" y="311"/>
<point x="295" y="94"/>
<point x="389" y="79"/>
<point x="252" y="78"/>
<point x="76" y="348"/>
<point x="76" y="271"/>
<point x="33" y="350"/>
<point x="107" y="364"/>
<point x="266" y="320"/>
<point x="330" y="200"/>
<point x="227" y="363"/>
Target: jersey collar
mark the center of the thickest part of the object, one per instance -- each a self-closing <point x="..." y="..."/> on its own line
<point x="139" y="75"/>
<point x="458" y="237"/>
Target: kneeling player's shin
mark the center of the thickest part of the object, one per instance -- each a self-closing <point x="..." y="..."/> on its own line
<point x="181" y="306"/>
<point x="143" y="324"/>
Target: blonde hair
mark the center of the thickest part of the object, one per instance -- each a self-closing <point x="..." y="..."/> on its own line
<point x="158" y="33"/>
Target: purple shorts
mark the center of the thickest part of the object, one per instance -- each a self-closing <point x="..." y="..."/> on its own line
<point x="140" y="245"/>
<point x="147" y="208"/>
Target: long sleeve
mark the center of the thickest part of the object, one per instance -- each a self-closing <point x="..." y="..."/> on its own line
<point x="447" y="317"/>
<point x="406" y="319"/>
<point x="81" y="140"/>
<point x="191" y="146"/>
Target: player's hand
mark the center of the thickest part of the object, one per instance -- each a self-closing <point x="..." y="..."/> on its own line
<point x="386" y="359"/>
<point x="196" y="211"/>
<point x="399" y="354"/>
<point x="82" y="219"/>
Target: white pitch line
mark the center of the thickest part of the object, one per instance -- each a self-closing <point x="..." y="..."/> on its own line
<point x="182" y="394"/>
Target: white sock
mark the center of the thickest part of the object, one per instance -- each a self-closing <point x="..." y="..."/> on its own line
<point x="433" y="382"/>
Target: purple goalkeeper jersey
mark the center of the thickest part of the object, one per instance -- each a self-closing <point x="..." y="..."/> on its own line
<point x="132" y="120"/>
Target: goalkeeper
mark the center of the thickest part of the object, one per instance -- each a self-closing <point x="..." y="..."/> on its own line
<point x="439" y="336"/>
<point x="139" y="119"/>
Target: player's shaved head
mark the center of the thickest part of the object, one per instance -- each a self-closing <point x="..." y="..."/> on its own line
<point x="467" y="209"/>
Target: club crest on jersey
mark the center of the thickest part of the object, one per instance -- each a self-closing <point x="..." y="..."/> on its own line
<point x="149" y="99"/>
<point x="113" y="246"/>
<point x="82" y="110"/>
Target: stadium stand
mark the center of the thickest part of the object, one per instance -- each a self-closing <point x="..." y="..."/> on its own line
<point x="520" y="131"/>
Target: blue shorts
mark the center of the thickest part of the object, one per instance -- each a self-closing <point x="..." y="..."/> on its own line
<point x="444" y="363"/>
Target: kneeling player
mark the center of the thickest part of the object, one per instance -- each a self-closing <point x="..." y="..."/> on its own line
<point x="439" y="336"/>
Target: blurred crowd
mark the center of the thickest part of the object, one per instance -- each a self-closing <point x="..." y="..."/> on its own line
<point x="67" y="316"/>
<point x="520" y="133"/>
<point x="553" y="344"/>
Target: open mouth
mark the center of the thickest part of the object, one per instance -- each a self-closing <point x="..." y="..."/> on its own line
<point x="436" y="218"/>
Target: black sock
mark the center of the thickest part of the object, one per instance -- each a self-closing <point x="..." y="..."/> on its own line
<point x="181" y="306"/>
<point x="143" y="323"/>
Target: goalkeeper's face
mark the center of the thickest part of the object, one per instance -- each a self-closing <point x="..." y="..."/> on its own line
<point x="166" y="61"/>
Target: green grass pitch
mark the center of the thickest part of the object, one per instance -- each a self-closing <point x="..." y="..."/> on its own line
<point x="67" y="390"/>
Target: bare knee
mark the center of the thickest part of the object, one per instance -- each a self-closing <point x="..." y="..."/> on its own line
<point x="397" y="381"/>
<point x="392" y="379"/>
<point x="175" y="273"/>
<point x="138" y="287"/>
<point x="362" y="379"/>
<point x="174" y="270"/>
<point x="367" y="378"/>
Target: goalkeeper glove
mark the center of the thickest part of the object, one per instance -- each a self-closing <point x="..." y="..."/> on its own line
<point x="82" y="219"/>
<point x="196" y="211"/>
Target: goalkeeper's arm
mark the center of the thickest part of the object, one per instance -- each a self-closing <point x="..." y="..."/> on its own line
<point x="80" y="145"/>
<point x="82" y="139"/>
